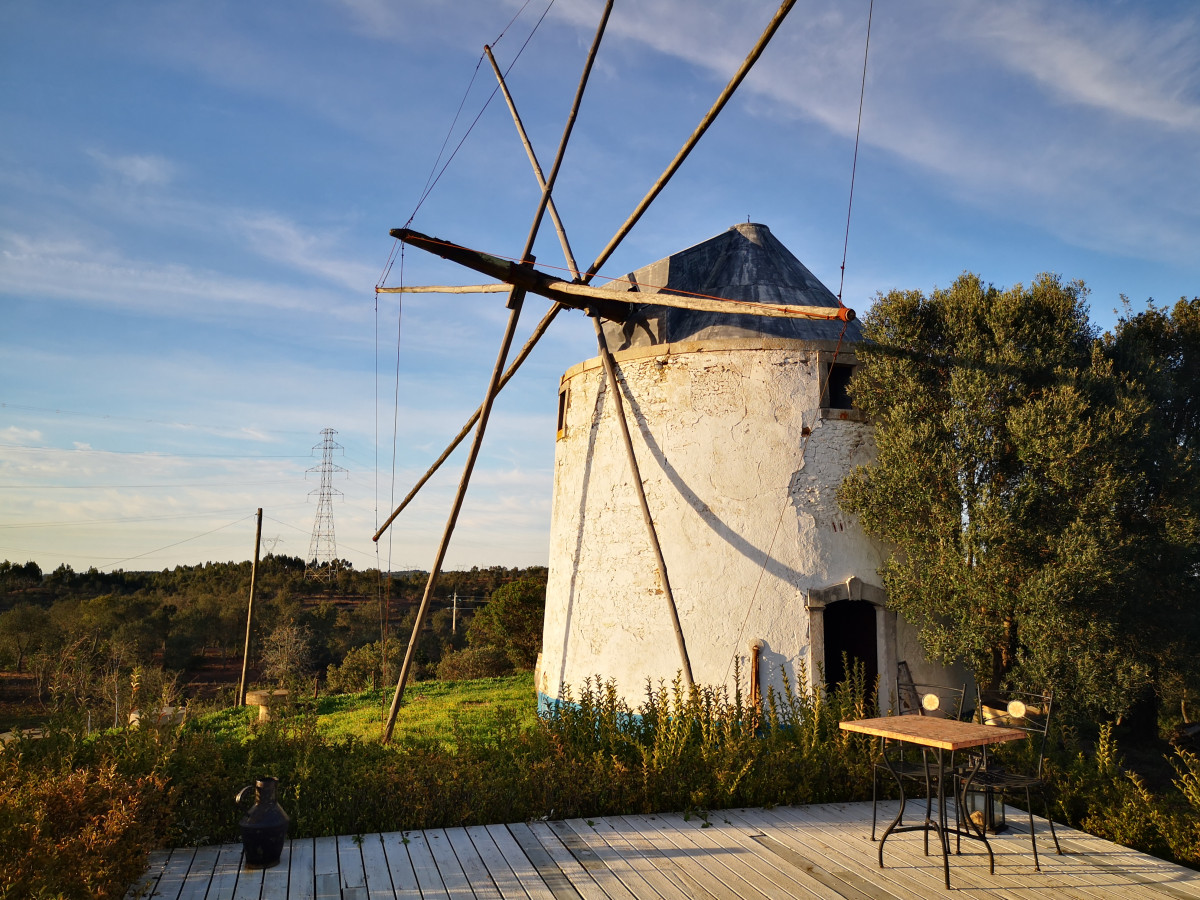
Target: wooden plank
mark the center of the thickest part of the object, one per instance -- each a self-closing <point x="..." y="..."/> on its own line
<point x="740" y="848"/>
<point x="580" y="875"/>
<point x="1015" y="874"/>
<point x="837" y="825"/>
<point x="225" y="872"/>
<point x="170" y="883"/>
<point x="351" y="876"/>
<point x="908" y="873"/>
<point x="607" y="879"/>
<point x="827" y="869"/>
<point x="525" y="844"/>
<point x="327" y="883"/>
<point x="663" y="879"/>
<point x="156" y="864"/>
<point x="473" y="866"/>
<point x="522" y="886"/>
<point x="400" y="867"/>
<point x="664" y="862"/>
<point x="739" y="865"/>
<point x="195" y="886"/>
<point x="928" y="731"/>
<point x="715" y="878"/>
<point x="429" y="877"/>
<point x="633" y="876"/>
<point x="301" y="875"/>
<point x="375" y="869"/>
<point x="458" y="886"/>
<point x="250" y="881"/>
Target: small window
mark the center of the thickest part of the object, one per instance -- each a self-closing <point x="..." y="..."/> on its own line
<point x="837" y="391"/>
<point x="562" y="413"/>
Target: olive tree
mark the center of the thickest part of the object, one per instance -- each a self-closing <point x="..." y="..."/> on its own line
<point x="1009" y="482"/>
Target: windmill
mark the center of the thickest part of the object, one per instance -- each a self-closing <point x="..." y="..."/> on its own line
<point x="617" y="311"/>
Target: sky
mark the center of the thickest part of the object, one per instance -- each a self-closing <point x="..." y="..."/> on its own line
<point x="195" y="201"/>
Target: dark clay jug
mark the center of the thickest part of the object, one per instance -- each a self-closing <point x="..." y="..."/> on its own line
<point x="264" y="829"/>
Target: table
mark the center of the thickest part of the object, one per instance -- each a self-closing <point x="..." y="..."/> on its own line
<point x="941" y="735"/>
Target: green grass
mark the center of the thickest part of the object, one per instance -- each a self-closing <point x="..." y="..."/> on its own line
<point x="434" y="713"/>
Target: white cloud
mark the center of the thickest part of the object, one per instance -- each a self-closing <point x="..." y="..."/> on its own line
<point x="1127" y="66"/>
<point x="137" y="169"/>
<point x="17" y="435"/>
<point x="68" y="268"/>
<point x="279" y="239"/>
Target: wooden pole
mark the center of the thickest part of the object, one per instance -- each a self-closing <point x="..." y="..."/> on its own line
<point x="533" y="161"/>
<point x="515" y="300"/>
<point x="444" y="289"/>
<point x="656" y="189"/>
<point x="610" y="370"/>
<point x="250" y="609"/>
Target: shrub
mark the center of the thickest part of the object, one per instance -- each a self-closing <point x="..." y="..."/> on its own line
<point x="362" y="669"/>
<point x="76" y="833"/>
<point x="474" y="662"/>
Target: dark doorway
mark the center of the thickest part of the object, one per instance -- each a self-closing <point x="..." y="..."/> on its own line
<point x="850" y="633"/>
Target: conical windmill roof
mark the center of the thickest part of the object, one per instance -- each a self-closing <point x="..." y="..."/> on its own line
<point x="746" y="262"/>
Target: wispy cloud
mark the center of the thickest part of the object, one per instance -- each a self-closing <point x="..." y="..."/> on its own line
<point x="1128" y="66"/>
<point x="137" y="169"/>
<point x="280" y="239"/>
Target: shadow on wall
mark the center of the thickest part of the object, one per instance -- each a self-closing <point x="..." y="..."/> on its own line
<point x="593" y="430"/>
<point x="756" y="555"/>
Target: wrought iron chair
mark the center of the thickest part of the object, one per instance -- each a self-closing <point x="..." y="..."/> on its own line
<point x="1028" y="712"/>
<point x="909" y="763"/>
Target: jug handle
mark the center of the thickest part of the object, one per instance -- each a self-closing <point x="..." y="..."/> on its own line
<point x="242" y="793"/>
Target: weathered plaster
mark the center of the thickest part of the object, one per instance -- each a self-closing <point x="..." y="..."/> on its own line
<point x="747" y="525"/>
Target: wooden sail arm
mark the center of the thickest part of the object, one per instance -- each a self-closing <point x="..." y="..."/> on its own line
<point x="610" y="304"/>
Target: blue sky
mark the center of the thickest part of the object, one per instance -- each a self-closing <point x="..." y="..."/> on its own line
<point x="195" y="200"/>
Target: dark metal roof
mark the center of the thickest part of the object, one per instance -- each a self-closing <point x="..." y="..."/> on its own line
<point x="747" y="262"/>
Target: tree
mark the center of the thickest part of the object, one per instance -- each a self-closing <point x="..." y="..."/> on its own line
<point x="25" y="629"/>
<point x="1159" y="350"/>
<point x="1008" y="483"/>
<point x="512" y="621"/>
<point x="287" y="652"/>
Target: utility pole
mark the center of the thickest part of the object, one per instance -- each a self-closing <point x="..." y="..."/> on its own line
<point x="454" y="616"/>
<point x="250" y="609"/>
<point x="322" y="549"/>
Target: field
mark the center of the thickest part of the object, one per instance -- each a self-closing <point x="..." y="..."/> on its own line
<point x="434" y="713"/>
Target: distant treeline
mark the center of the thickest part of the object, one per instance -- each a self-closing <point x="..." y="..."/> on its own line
<point x="87" y="637"/>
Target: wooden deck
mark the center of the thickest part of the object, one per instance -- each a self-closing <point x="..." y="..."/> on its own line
<point x="744" y="854"/>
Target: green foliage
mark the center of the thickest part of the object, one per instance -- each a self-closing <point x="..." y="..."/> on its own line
<point x="512" y="622"/>
<point x="1095" y="792"/>
<point x="474" y="662"/>
<point x="75" y="832"/>
<point x="1012" y="480"/>
<point x="362" y="668"/>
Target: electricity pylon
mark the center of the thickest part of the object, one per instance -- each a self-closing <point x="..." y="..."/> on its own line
<point x="322" y="562"/>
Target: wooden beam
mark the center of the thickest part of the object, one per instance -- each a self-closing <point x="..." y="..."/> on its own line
<point x="444" y="289"/>
<point x="610" y="304"/>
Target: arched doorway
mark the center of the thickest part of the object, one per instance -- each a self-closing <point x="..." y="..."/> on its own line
<point x="850" y="635"/>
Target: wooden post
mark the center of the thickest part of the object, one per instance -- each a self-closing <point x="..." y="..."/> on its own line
<point x="533" y="161"/>
<point x="656" y="189"/>
<point x="610" y="370"/>
<point x="515" y="300"/>
<point x="250" y="609"/>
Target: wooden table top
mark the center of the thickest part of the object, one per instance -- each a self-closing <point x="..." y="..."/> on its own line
<point x="929" y="731"/>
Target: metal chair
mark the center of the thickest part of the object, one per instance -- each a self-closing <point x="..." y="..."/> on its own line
<point x="1028" y="712"/>
<point x="915" y="699"/>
